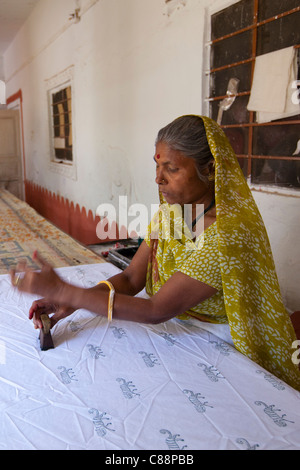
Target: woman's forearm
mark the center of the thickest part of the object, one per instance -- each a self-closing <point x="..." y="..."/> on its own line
<point x="125" y="307"/>
<point x="176" y="296"/>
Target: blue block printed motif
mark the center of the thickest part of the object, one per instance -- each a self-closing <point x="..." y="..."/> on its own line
<point x="195" y="400"/>
<point x="172" y="440"/>
<point x="271" y="412"/>
<point x="95" y="351"/>
<point x="67" y="375"/>
<point x="128" y="388"/>
<point x="149" y="359"/>
<point x="101" y="422"/>
<point x="212" y="373"/>
<point x="272" y="379"/>
<point x="243" y="441"/>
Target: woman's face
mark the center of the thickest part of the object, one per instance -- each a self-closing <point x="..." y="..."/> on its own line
<point x="177" y="177"/>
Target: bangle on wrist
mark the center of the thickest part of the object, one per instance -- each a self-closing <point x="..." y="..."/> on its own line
<point x="110" y="299"/>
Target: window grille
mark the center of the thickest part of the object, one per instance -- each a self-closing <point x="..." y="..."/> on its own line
<point x="61" y="104"/>
<point x="267" y="152"/>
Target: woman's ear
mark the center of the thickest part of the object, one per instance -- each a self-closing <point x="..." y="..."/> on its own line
<point x="211" y="170"/>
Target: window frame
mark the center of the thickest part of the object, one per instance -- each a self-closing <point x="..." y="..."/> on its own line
<point x="64" y="129"/>
<point x="251" y="124"/>
<point x="53" y="85"/>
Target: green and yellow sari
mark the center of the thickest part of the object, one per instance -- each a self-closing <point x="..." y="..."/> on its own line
<point x="233" y="255"/>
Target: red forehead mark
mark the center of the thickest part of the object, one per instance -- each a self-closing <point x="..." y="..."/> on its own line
<point x="158" y="156"/>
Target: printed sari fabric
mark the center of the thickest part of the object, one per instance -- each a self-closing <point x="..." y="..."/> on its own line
<point x="234" y="256"/>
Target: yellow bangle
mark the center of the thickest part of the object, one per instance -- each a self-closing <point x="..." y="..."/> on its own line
<point x="110" y="298"/>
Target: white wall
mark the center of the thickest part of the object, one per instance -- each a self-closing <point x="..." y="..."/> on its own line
<point x="281" y="217"/>
<point x="2" y="92"/>
<point x="1" y="68"/>
<point x="133" y="74"/>
<point x="137" y="65"/>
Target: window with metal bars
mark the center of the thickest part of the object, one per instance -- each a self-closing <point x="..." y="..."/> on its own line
<point x="269" y="152"/>
<point x="61" y="105"/>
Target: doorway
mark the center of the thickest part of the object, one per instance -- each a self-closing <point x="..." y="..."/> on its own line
<point x="11" y="170"/>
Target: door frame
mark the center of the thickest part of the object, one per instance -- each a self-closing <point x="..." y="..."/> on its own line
<point x="15" y="102"/>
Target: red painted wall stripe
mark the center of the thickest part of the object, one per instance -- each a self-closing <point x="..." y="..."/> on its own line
<point x="69" y="217"/>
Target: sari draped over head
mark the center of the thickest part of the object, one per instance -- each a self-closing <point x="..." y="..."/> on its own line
<point x="249" y="291"/>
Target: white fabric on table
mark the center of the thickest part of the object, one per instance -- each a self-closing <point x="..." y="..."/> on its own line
<point x="131" y="386"/>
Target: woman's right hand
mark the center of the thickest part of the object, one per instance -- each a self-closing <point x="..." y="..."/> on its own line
<point x="43" y="306"/>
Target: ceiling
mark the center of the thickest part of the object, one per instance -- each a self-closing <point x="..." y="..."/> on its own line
<point x="13" y="13"/>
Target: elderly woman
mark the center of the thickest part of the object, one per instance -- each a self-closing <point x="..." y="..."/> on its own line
<point x="223" y="275"/>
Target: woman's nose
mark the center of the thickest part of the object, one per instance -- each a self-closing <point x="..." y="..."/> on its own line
<point x="159" y="177"/>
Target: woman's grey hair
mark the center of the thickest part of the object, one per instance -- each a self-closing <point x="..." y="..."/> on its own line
<point x="187" y="135"/>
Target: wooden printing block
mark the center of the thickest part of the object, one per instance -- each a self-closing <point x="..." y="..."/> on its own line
<point x="46" y="341"/>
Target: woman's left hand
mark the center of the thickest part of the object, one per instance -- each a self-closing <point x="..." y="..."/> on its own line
<point x="44" y="282"/>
